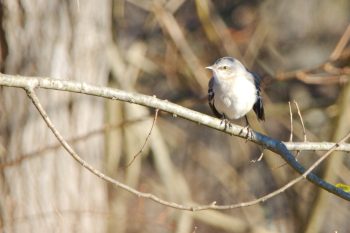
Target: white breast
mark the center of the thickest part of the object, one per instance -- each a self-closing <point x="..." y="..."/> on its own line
<point x="234" y="97"/>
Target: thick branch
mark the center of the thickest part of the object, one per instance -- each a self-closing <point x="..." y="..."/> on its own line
<point x="29" y="83"/>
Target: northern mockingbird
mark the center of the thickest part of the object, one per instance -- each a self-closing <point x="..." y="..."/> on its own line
<point x="233" y="91"/>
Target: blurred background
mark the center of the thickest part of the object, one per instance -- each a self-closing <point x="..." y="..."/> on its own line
<point x="161" y="48"/>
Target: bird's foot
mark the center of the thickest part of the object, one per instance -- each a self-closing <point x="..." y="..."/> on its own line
<point x="226" y="122"/>
<point x="249" y="132"/>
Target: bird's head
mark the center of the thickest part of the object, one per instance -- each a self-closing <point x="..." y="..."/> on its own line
<point x="226" y="67"/>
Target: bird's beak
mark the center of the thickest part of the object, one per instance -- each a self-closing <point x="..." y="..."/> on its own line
<point x="209" y="67"/>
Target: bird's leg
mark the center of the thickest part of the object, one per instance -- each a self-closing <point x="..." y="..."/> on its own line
<point x="225" y="121"/>
<point x="247" y="127"/>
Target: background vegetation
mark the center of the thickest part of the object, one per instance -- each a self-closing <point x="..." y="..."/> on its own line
<point x="161" y="48"/>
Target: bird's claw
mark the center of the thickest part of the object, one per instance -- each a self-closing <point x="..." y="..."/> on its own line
<point x="249" y="132"/>
<point x="226" y="122"/>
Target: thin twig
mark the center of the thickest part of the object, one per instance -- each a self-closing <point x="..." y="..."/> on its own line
<point x="259" y="158"/>
<point x="291" y="122"/>
<point x="301" y="120"/>
<point x="144" y="144"/>
<point x="340" y="45"/>
<point x="303" y="126"/>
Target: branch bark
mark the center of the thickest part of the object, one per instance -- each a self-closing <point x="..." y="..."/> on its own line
<point x="30" y="83"/>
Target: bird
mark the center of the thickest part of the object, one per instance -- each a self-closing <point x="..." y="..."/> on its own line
<point x="233" y="91"/>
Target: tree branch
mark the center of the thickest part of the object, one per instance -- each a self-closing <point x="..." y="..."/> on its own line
<point x="69" y="149"/>
<point x="29" y="83"/>
<point x="153" y="102"/>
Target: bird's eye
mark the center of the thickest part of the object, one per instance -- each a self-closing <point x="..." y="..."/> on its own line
<point x="224" y="67"/>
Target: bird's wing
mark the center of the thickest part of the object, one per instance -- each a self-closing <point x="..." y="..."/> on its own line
<point x="258" y="106"/>
<point x="211" y="98"/>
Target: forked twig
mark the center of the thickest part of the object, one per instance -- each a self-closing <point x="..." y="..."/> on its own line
<point x="291" y="130"/>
